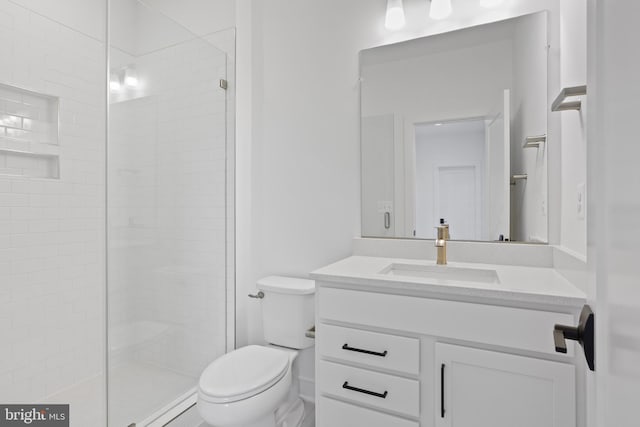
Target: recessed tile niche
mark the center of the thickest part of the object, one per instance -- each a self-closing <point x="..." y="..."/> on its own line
<point x="29" y="145"/>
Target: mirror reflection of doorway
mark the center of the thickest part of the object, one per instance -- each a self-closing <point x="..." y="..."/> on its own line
<point x="456" y="200"/>
<point x="449" y="168"/>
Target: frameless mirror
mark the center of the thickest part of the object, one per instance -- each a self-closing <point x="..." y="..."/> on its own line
<point x="445" y="121"/>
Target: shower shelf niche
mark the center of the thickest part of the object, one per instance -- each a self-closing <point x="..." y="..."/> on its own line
<point x="29" y="144"/>
<point x="28" y="164"/>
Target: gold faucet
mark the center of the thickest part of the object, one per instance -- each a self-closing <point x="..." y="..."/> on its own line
<point x="441" y="242"/>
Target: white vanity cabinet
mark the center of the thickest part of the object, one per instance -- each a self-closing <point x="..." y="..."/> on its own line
<point x="477" y="388"/>
<point x="392" y="359"/>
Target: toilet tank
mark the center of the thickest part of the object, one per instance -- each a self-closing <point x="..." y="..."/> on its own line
<point x="287" y="310"/>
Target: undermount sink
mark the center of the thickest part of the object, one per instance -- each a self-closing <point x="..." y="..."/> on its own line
<point x="442" y="273"/>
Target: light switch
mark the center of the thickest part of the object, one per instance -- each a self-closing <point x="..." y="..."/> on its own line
<point x="581" y="202"/>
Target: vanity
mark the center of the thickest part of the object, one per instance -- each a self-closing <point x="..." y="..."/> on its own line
<point x="457" y="129"/>
<point x="408" y="343"/>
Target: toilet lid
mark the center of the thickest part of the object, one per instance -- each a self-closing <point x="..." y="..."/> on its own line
<point x="243" y="373"/>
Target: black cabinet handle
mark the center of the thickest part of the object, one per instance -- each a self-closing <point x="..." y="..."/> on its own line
<point x="442" y="391"/>
<point x="359" y="350"/>
<point x="362" y="390"/>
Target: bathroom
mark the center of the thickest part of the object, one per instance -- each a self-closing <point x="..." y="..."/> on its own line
<point x="190" y="149"/>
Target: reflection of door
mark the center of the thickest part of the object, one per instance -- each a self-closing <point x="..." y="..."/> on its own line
<point x="497" y="191"/>
<point x="443" y="148"/>
<point x="378" y="174"/>
<point x="456" y="200"/>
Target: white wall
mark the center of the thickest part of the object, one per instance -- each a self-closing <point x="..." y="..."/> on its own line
<point x="574" y="125"/>
<point x="439" y="86"/>
<point x="304" y="174"/>
<point x="86" y="17"/>
<point x="201" y="17"/>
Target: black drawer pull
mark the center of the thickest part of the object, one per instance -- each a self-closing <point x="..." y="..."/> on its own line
<point x="442" y="411"/>
<point x="359" y="350"/>
<point x="361" y="390"/>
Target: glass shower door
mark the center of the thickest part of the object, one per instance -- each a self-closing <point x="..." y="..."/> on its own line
<point x="166" y="207"/>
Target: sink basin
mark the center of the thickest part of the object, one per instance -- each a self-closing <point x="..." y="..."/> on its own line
<point x="442" y="273"/>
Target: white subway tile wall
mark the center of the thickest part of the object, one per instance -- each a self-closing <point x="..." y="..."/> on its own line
<point x="52" y="231"/>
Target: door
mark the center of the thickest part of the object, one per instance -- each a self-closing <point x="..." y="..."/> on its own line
<point x="169" y="216"/>
<point x="613" y="215"/>
<point x="456" y="199"/>
<point x="479" y="388"/>
<point x="448" y="162"/>
<point x="498" y="171"/>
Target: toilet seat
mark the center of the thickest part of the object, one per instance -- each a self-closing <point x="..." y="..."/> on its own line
<point x="243" y="373"/>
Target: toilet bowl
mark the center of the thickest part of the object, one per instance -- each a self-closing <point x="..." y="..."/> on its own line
<point x="252" y="386"/>
<point x="245" y="387"/>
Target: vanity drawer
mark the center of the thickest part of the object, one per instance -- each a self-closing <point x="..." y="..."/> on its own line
<point x="370" y="348"/>
<point x="333" y="413"/>
<point x="384" y="391"/>
<point x="519" y="328"/>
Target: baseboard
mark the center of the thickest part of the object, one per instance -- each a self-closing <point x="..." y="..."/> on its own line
<point x="307" y="389"/>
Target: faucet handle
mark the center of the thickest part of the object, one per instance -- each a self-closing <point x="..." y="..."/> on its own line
<point x="444" y="226"/>
<point x="443" y="232"/>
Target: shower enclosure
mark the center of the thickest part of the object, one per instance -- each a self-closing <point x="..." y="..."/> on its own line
<point x="116" y="207"/>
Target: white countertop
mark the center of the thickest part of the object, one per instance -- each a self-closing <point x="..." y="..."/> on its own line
<point x="531" y="285"/>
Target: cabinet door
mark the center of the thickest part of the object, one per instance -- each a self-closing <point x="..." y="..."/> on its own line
<point x="478" y="388"/>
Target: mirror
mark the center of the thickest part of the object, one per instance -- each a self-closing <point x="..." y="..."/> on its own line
<point x="444" y="121"/>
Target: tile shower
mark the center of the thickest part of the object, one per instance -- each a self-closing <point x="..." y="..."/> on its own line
<point x="116" y="320"/>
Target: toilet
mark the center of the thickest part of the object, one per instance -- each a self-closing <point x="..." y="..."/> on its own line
<point x="253" y="386"/>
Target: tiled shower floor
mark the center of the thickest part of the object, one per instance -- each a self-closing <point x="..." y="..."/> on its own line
<point x="136" y="391"/>
<point x="87" y="405"/>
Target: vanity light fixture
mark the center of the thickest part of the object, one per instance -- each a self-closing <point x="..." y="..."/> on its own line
<point x="440" y="9"/>
<point x="394" y="19"/>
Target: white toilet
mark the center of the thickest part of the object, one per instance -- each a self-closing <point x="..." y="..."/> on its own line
<point x="252" y="386"/>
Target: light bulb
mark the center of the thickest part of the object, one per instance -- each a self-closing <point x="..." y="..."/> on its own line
<point x="130" y="77"/>
<point x="114" y="83"/>
<point x="440" y="9"/>
<point x="395" y="15"/>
